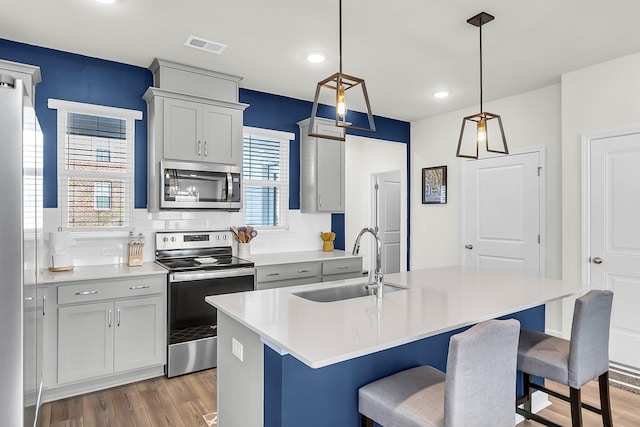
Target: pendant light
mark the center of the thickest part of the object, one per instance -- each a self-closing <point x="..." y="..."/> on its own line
<point x="343" y="85"/>
<point x="482" y="120"/>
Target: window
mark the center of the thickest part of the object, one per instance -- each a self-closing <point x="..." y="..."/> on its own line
<point x="95" y="165"/>
<point x="103" y="155"/>
<point x="102" y="192"/>
<point x="265" y="172"/>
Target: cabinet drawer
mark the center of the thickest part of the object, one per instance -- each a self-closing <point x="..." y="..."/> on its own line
<point x="112" y="289"/>
<point x="287" y="271"/>
<point x="350" y="265"/>
<point x="284" y="283"/>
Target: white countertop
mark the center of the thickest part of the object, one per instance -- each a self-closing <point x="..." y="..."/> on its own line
<point x="261" y="260"/>
<point x="438" y="300"/>
<point x="94" y="272"/>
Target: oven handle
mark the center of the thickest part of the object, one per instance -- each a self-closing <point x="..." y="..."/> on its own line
<point x="189" y="276"/>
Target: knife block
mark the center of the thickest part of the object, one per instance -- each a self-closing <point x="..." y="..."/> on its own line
<point x="134" y="254"/>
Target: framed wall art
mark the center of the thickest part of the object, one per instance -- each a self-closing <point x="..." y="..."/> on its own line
<point x="434" y="185"/>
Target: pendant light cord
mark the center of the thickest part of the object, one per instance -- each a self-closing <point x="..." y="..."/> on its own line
<point x="480" y="27"/>
<point x="340" y="33"/>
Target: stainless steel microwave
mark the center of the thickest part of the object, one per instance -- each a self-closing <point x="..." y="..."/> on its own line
<point x="185" y="185"/>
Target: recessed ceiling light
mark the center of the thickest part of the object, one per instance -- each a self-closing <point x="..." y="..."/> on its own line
<point x="316" y="57"/>
<point x="106" y="1"/>
<point x="441" y="94"/>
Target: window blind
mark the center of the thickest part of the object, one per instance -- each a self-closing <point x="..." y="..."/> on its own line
<point x="265" y="174"/>
<point x="32" y="171"/>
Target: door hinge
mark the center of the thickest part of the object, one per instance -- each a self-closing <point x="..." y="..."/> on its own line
<point x="538" y="239"/>
<point x="376" y="187"/>
<point x="539" y="169"/>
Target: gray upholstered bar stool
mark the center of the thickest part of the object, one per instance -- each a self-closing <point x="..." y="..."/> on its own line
<point x="572" y="363"/>
<point x="478" y="389"/>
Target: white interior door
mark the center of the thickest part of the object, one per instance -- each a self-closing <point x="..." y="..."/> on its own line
<point x="387" y="218"/>
<point x="614" y="198"/>
<point x="503" y="199"/>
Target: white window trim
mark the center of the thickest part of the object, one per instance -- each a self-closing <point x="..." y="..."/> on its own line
<point x="94" y="110"/>
<point x="285" y="138"/>
<point x="104" y="111"/>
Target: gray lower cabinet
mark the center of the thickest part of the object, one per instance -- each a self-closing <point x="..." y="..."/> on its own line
<point x="109" y="327"/>
<point x="276" y="276"/>
<point x="341" y="269"/>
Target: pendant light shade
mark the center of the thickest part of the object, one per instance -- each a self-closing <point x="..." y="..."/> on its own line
<point x="482" y="128"/>
<point x="346" y="90"/>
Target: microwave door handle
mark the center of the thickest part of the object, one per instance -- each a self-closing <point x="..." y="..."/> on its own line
<point x="229" y="187"/>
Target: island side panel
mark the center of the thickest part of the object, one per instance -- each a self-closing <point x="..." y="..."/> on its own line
<point x="296" y="394"/>
<point x="240" y="383"/>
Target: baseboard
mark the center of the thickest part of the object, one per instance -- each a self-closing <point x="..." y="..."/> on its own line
<point x="554" y="332"/>
<point x="539" y="401"/>
<point x="65" y="391"/>
<point x="624" y="377"/>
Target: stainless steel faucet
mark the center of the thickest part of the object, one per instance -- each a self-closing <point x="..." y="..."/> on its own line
<point x="377" y="275"/>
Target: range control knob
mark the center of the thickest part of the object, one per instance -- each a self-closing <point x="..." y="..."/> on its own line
<point x="173" y="239"/>
<point x="165" y="239"/>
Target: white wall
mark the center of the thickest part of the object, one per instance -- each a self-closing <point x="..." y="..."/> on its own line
<point x="600" y="98"/>
<point x="110" y="248"/>
<point x="363" y="158"/>
<point x="531" y="119"/>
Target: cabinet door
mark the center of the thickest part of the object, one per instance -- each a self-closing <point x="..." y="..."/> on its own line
<point x="182" y="130"/>
<point x="139" y="333"/>
<point x="85" y="341"/>
<point x="221" y="135"/>
<point x="330" y="170"/>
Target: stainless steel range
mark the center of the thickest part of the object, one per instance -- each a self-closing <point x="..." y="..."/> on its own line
<point x="200" y="263"/>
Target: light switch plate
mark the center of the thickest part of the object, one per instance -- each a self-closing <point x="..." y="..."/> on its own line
<point x="237" y="349"/>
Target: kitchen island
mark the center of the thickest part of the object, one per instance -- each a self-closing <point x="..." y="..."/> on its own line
<point x="300" y="362"/>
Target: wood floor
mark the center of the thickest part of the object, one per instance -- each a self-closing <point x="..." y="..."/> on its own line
<point x="182" y="402"/>
<point x="159" y="402"/>
<point x="625" y="407"/>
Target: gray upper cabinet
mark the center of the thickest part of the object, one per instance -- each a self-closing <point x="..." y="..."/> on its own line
<point x="322" y="183"/>
<point x="195" y="131"/>
<point x="189" y="128"/>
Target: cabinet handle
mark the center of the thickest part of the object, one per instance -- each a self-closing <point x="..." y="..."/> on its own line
<point x="28" y="298"/>
<point x="303" y="271"/>
<point x="118" y="318"/>
<point x="199" y="148"/>
<point x="342" y="267"/>
<point x="109" y="318"/>
<point x="44" y="300"/>
<point x="320" y="200"/>
<point x="133" y="288"/>
<point x="86" y="293"/>
<point x="206" y="150"/>
<point x="273" y="274"/>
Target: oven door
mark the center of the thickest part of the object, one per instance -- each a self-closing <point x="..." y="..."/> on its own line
<point x="192" y="322"/>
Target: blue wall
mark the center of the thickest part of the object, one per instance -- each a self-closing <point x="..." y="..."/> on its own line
<point x="80" y="78"/>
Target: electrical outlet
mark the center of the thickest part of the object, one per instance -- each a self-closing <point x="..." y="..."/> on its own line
<point x="237" y="349"/>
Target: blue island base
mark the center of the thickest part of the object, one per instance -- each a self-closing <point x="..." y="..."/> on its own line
<point x="296" y="395"/>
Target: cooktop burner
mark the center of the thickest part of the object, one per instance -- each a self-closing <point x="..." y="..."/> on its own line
<point x="197" y="250"/>
<point x="185" y="264"/>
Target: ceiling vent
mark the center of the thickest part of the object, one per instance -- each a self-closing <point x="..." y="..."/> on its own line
<point x="207" y="45"/>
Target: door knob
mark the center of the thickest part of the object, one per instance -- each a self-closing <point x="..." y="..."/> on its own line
<point x="468" y="246"/>
<point x="596" y="260"/>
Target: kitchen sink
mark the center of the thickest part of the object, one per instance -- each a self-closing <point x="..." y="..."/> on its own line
<point x="340" y="293"/>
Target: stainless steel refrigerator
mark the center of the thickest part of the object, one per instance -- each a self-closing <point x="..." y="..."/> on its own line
<point x="21" y="303"/>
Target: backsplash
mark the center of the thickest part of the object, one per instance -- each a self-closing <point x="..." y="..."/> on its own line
<point x="97" y="248"/>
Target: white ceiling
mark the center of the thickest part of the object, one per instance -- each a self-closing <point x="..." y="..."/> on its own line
<point x="404" y="49"/>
